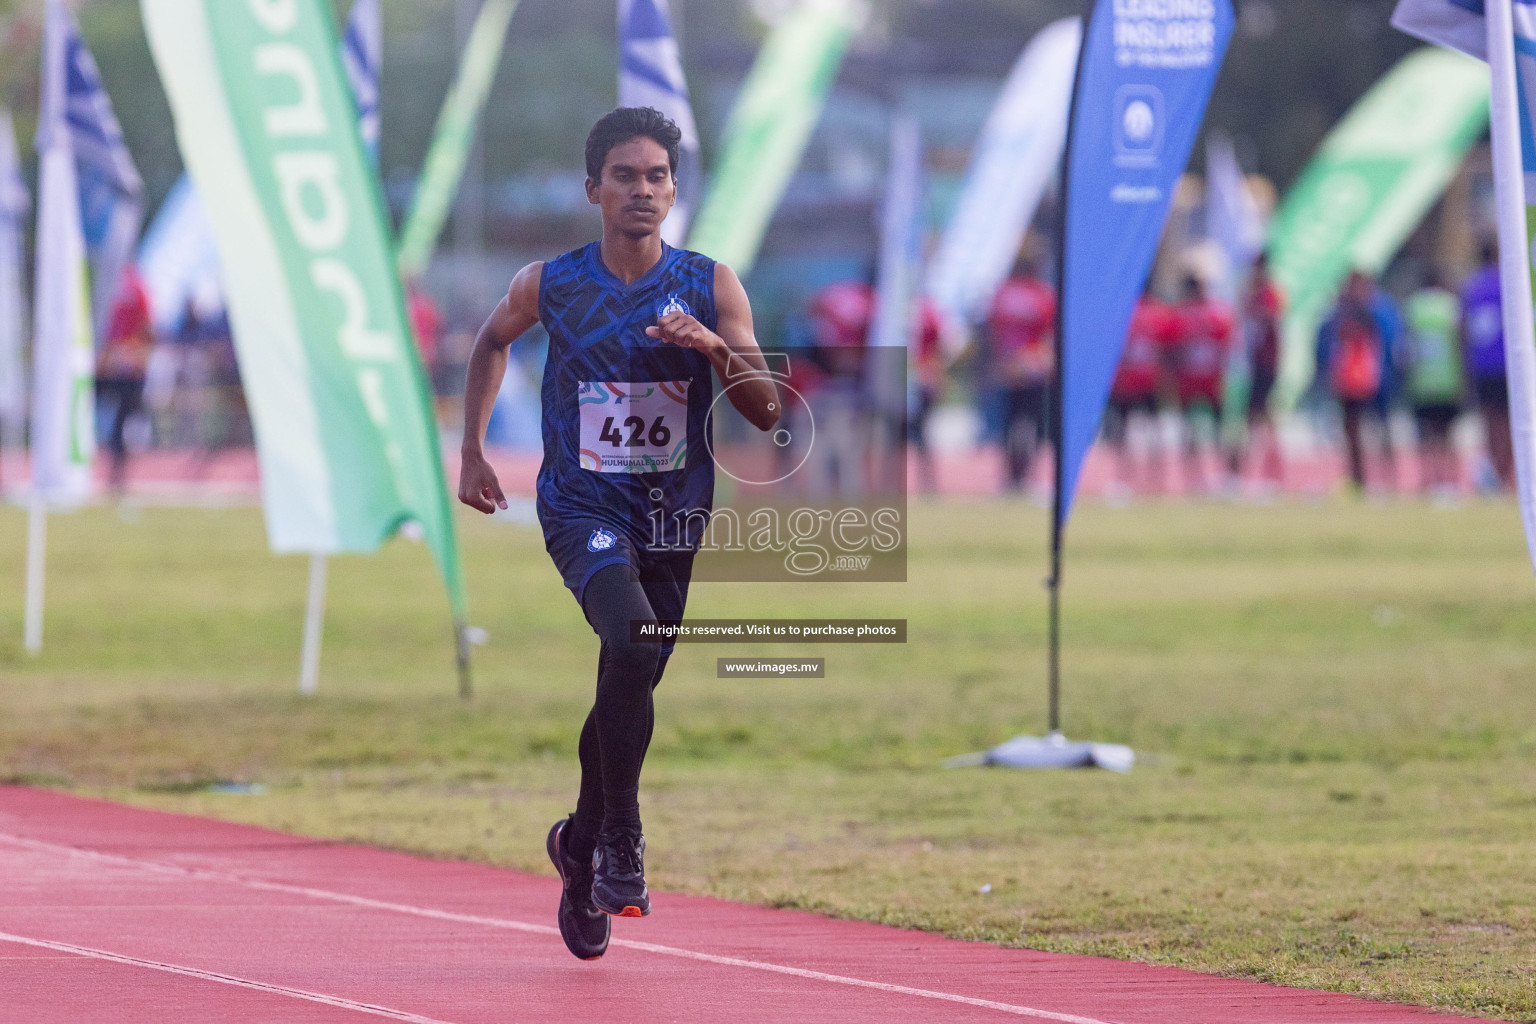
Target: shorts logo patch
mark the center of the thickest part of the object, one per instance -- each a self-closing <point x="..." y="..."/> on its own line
<point x="672" y="305"/>
<point x="601" y="540"/>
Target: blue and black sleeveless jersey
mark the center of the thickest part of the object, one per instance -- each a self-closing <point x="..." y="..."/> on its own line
<point x="626" y="415"/>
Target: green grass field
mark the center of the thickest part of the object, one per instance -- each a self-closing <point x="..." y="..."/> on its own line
<point x="1337" y="701"/>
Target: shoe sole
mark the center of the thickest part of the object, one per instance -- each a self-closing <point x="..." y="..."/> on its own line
<point x="626" y="910"/>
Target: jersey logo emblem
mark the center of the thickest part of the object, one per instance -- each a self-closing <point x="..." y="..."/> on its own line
<point x="673" y="305"/>
<point x="601" y="540"/>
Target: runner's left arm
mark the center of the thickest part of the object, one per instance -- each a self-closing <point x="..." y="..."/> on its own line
<point x="733" y="352"/>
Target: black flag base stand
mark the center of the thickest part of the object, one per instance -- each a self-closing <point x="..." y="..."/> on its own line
<point x="1052" y="750"/>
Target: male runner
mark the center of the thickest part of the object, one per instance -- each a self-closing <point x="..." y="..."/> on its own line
<point x="1200" y="337"/>
<point x="1263" y="307"/>
<point x="635" y="329"/>
<point x="1133" y="393"/>
<point x="1022" y="320"/>
<point x="925" y="346"/>
<point x="1482" y="336"/>
<point x="1435" y="382"/>
<point x="1355" y="349"/>
<point x="842" y="315"/>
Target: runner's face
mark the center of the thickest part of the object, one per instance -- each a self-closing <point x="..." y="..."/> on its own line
<point x="637" y="189"/>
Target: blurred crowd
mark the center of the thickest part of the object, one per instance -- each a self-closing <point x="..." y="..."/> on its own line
<point x="1193" y="406"/>
<point x="174" y="383"/>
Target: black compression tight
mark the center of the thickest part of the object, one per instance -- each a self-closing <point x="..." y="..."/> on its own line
<point x="618" y="729"/>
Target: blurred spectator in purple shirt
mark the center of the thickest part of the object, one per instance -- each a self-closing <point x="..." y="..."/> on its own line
<point x="1482" y="335"/>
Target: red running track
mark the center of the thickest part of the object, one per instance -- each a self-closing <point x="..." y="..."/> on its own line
<point x="110" y="913"/>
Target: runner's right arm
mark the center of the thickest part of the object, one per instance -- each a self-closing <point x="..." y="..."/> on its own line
<point x="513" y="315"/>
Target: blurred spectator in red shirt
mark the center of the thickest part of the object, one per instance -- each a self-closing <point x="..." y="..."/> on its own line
<point x="426" y="324"/>
<point x="927" y="358"/>
<point x="1133" y="394"/>
<point x="842" y="314"/>
<point x="122" y="366"/>
<point x="1197" y="354"/>
<point x="1022" y="325"/>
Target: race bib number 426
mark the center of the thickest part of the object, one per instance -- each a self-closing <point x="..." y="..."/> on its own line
<point x="635" y="427"/>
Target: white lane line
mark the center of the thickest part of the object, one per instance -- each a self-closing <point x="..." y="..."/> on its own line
<point x="204" y="874"/>
<point x="223" y="979"/>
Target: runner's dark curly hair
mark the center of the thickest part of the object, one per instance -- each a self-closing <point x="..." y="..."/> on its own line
<point x="628" y="123"/>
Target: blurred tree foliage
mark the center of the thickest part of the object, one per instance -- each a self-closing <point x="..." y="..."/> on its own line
<point x="1295" y="66"/>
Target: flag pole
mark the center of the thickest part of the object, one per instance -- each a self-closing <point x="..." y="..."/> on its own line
<point x="314" y="627"/>
<point x="1054" y="403"/>
<point x="37" y="548"/>
<point x="462" y="643"/>
<point x="1514" y="267"/>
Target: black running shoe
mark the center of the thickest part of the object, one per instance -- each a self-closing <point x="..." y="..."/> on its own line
<point x="583" y="927"/>
<point x="618" y="874"/>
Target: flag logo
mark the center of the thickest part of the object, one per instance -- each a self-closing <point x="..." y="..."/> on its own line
<point x="651" y="75"/>
<point x="1138" y="126"/>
